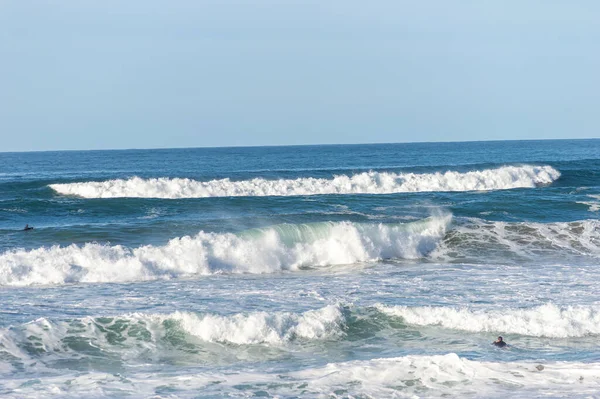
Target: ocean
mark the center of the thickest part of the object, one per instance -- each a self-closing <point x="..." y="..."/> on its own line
<point x="335" y="271"/>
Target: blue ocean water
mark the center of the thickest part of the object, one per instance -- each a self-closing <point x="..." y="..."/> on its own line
<point x="313" y="271"/>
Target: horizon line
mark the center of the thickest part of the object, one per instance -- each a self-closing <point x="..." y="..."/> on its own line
<point x="296" y="145"/>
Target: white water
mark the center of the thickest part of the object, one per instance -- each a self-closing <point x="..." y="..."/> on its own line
<point x="541" y="321"/>
<point x="447" y="374"/>
<point x="400" y="377"/>
<point x="287" y="247"/>
<point x="506" y="177"/>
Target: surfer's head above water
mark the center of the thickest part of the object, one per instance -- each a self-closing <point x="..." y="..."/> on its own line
<point x="499" y="342"/>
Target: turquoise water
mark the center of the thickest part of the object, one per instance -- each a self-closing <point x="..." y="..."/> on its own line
<point x="313" y="271"/>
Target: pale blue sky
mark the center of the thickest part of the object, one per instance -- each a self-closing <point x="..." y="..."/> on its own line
<point x="78" y="74"/>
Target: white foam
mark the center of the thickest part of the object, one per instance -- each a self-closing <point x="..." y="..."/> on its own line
<point x="542" y="321"/>
<point x="400" y="377"/>
<point x="264" y="328"/>
<point x="286" y="247"/>
<point x="449" y="374"/>
<point x="506" y="177"/>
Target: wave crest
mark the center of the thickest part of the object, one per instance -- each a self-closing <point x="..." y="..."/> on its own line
<point x="505" y="177"/>
<point x="263" y="327"/>
<point x="268" y="250"/>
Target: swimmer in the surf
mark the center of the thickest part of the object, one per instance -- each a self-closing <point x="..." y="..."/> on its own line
<point x="27" y="228"/>
<point x="499" y="342"/>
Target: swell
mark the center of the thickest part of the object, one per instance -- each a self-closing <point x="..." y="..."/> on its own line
<point x="267" y="250"/>
<point x="505" y="177"/>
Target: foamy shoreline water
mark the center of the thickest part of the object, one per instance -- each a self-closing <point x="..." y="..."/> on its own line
<point x="404" y="377"/>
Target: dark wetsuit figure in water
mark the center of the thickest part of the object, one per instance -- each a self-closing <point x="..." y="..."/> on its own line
<point x="499" y="342"/>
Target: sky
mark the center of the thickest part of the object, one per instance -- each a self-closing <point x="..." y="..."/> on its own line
<point x="83" y="74"/>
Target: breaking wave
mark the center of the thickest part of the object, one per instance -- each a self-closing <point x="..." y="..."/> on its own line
<point x="543" y="321"/>
<point x="290" y="247"/>
<point x="267" y="250"/>
<point x="265" y="328"/>
<point x="505" y="177"/>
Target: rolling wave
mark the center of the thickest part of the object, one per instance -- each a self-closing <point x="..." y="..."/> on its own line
<point x="543" y="321"/>
<point x="505" y="177"/>
<point x="267" y="250"/>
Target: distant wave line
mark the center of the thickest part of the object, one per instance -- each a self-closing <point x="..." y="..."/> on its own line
<point x="502" y="178"/>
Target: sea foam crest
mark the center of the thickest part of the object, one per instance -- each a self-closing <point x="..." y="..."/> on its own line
<point x="285" y="247"/>
<point x="543" y="321"/>
<point x="505" y="177"/>
<point x="263" y="327"/>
